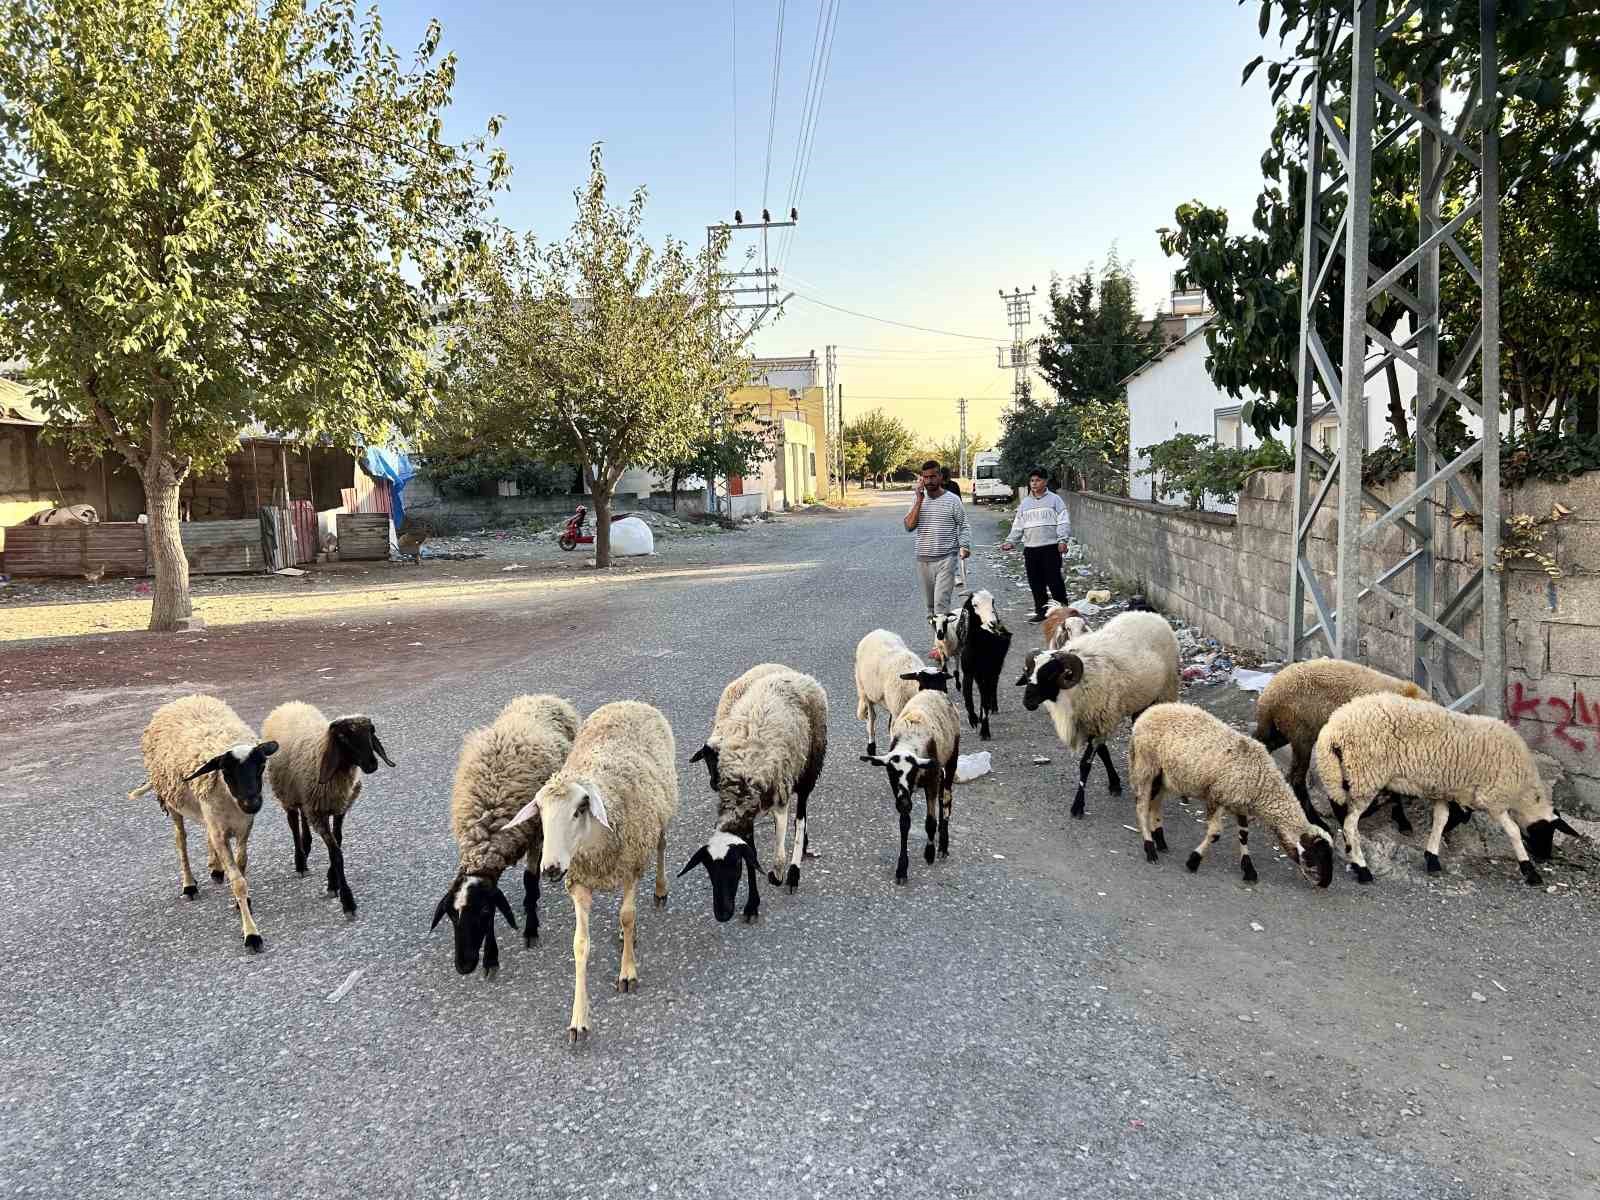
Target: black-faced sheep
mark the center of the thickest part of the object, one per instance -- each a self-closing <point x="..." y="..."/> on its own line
<point x="205" y="764"/>
<point x="924" y="746"/>
<point x="1106" y="677"/>
<point x="316" y="777"/>
<point x="605" y="813"/>
<point x="1384" y="741"/>
<point x="1186" y="750"/>
<point x="1298" y="701"/>
<point x="947" y="643"/>
<point x="500" y="769"/>
<point x="984" y="643"/>
<point x="710" y="752"/>
<point x="773" y="744"/>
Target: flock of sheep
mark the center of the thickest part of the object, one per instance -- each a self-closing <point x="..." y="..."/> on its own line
<point x="587" y="802"/>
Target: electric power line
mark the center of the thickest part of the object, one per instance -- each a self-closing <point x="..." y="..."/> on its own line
<point x="733" y="42"/>
<point x="809" y="129"/>
<point x="799" y="295"/>
<point x="772" y="109"/>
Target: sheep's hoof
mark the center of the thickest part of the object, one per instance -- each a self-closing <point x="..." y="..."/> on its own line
<point x="191" y="892"/>
<point x="253" y="943"/>
<point x="792" y="882"/>
<point x="661" y="900"/>
<point x="627" y="985"/>
<point x="1150" y="854"/>
<point x="1160" y="839"/>
<point x="1077" y="808"/>
<point x="1193" y="861"/>
<point x="300" y="868"/>
<point x="349" y="907"/>
<point x="1363" y="874"/>
<point x="490" y="970"/>
<point x="1530" y="875"/>
<point x="872" y="749"/>
<point x="530" y="936"/>
<point x="928" y="852"/>
<point x="1248" y="870"/>
<point x="1115" y="785"/>
<point x="772" y="877"/>
<point x="751" y="915"/>
<point x="216" y="877"/>
<point x="900" y="880"/>
<point x="1401" y="825"/>
<point x="577" y="1033"/>
<point x="1433" y="863"/>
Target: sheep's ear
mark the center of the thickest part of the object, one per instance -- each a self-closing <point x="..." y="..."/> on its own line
<point x="748" y="853"/>
<point x="377" y="747"/>
<point x="526" y="812"/>
<point x="873" y="759"/>
<point x="1562" y="827"/>
<point x="912" y="676"/>
<point x="266" y="749"/>
<point x="699" y="755"/>
<point x="923" y="763"/>
<point x="442" y="909"/>
<point x="596" y="804"/>
<point x="211" y="765"/>
<point x="504" y="906"/>
<point x="700" y="858"/>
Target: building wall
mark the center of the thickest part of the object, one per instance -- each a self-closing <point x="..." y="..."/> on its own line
<point x="35" y="475"/>
<point x="1229" y="576"/>
<point x="797" y="462"/>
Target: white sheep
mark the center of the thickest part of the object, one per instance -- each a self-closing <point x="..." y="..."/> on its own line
<point x="501" y="769"/>
<point x="887" y="675"/>
<point x="316" y="777"/>
<point x="709" y="751"/>
<point x="1187" y="751"/>
<point x="1389" y="742"/>
<point x="924" y="746"/>
<point x="1105" y="677"/>
<point x="205" y="764"/>
<point x="604" y="813"/>
<point x="773" y="745"/>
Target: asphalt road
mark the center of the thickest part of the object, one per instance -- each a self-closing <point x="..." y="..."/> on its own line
<point x="1041" y="1015"/>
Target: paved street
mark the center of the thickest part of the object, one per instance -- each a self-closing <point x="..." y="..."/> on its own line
<point x="1044" y="1014"/>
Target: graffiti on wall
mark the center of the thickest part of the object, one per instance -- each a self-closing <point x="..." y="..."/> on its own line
<point x="1575" y="722"/>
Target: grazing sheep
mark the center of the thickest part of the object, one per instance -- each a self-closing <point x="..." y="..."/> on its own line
<point x="314" y="776"/>
<point x="604" y="813"/>
<point x="774" y="742"/>
<point x="1118" y="671"/>
<point x="984" y="643"/>
<point x="1061" y="625"/>
<point x="1380" y="741"/>
<point x="708" y="753"/>
<point x="887" y="675"/>
<point x="924" y="744"/>
<point x="205" y="764"/>
<point x="1188" y="751"/>
<point x="500" y="769"/>
<point x="1298" y="701"/>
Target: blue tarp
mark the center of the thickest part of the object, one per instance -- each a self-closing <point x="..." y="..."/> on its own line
<point x="394" y="466"/>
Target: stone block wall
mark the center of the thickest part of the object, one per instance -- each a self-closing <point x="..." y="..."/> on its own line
<point x="1229" y="576"/>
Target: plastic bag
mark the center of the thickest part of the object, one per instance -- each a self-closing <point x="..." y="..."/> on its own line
<point x="631" y="536"/>
<point x="972" y="766"/>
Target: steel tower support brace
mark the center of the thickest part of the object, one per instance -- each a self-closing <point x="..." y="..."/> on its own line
<point x="1440" y="614"/>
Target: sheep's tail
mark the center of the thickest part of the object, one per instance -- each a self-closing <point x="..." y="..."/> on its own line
<point x="142" y="790"/>
<point x="1344" y="779"/>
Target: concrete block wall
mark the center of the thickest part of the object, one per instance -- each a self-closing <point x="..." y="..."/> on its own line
<point x="1229" y="576"/>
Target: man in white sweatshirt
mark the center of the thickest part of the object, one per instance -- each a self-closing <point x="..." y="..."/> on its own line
<point x="1045" y="526"/>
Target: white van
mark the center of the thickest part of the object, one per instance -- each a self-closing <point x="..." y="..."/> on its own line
<point x="986" y="482"/>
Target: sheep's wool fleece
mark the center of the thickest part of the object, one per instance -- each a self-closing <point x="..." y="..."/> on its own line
<point x="929" y="721"/>
<point x="777" y="727"/>
<point x="626" y="751"/>
<point x="182" y="736"/>
<point x="881" y="658"/>
<point x="500" y="769"/>
<point x="1299" y="699"/>
<point x="1129" y="663"/>
<point x="295" y="771"/>
<point x="735" y="690"/>
<point x="1200" y="757"/>
<point x="1417" y="748"/>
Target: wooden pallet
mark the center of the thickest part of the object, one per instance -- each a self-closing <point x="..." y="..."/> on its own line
<point x="64" y="551"/>
<point x="363" y="536"/>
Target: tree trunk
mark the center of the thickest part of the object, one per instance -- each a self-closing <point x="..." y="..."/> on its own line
<point x="1397" y="408"/>
<point x="171" y="605"/>
<point x="1587" y="414"/>
<point x="602" y="485"/>
<point x="675" y="478"/>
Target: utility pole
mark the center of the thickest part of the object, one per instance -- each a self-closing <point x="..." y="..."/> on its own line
<point x="961" y="451"/>
<point x="841" y="441"/>
<point x="1019" y="356"/>
<point x="829" y="419"/>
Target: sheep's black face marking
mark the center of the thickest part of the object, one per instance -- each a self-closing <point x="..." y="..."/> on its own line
<point x="709" y="755"/>
<point x="242" y="767"/>
<point x="355" y="741"/>
<point x="470" y="904"/>
<point x="1316" y="859"/>
<point x="904" y="770"/>
<point x="1540" y="838"/>
<point x="929" y="681"/>
<point x="725" y="857"/>
<point x="1053" y="674"/>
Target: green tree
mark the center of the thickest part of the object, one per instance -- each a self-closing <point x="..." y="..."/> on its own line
<point x="599" y="349"/>
<point x="887" y="440"/>
<point x="948" y="451"/>
<point x="1095" y="335"/>
<point x="1027" y="437"/>
<point x="1091" y="446"/>
<point x="730" y="440"/>
<point x="855" y="460"/>
<point x="214" y="212"/>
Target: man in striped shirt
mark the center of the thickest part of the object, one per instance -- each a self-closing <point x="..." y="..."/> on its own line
<point x="940" y="523"/>
<point x="1045" y="526"/>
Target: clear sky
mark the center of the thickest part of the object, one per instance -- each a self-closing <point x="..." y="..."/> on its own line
<point x="959" y="149"/>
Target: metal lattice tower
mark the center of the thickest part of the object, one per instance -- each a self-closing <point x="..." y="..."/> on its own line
<point x="1018" y="356"/>
<point x="1441" y="607"/>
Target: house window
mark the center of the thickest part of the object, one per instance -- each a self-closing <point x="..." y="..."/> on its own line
<point x="813" y="462"/>
<point x="1227" y="429"/>
<point x="1326" y="436"/>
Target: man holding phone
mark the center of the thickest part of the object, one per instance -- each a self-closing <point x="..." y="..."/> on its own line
<point x="940" y="523"/>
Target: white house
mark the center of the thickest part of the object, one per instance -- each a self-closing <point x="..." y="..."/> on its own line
<point x="1172" y="393"/>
